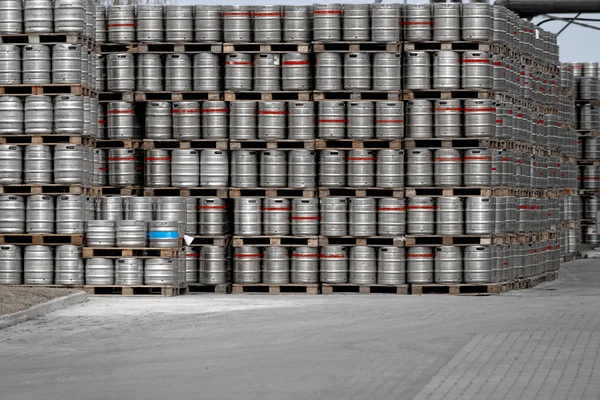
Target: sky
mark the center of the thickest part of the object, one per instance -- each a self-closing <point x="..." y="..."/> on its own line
<point x="577" y="44"/>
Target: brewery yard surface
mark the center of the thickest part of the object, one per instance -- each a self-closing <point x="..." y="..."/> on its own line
<point x="13" y="299"/>
<point x="541" y="343"/>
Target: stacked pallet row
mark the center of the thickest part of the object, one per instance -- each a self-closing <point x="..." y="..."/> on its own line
<point x="45" y="108"/>
<point x="276" y="114"/>
<point x="586" y="89"/>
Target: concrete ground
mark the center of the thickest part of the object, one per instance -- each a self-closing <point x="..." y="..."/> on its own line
<point x="542" y="344"/>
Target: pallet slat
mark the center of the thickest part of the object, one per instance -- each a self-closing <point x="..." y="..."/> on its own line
<point x="264" y="288"/>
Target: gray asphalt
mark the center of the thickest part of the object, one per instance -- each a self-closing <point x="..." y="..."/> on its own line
<point x="541" y="343"/>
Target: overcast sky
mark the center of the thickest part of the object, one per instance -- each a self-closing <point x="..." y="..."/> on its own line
<point x="576" y="43"/>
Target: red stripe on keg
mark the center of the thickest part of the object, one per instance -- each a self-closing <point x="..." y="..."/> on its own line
<point x="448" y="109"/>
<point x="519" y="161"/>
<point x="482" y="158"/>
<point x="498" y="64"/>
<point x="389" y="121"/>
<point x="238" y="63"/>
<point x="494" y="169"/>
<point x="361" y="158"/>
<point x="296" y="63"/>
<point x="215" y="110"/>
<point x="419" y="255"/>
<point x="421" y="207"/>
<point x="272" y="112"/>
<point x="391" y="209"/>
<point x="499" y="121"/>
<point x="236" y="13"/>
<point x="305" y="255"/>
<point x="268" y="14"/>
<point x="490" y="109"/>
<point x="276" y="209"/>
<point x="186" y="110"/>
<point x="101" y="121"/>
<point x="591" y="178"/>
<point x="520" y="115"/>
<point x="110" y="112"/>
<point x="305" y="218"/>
<point x="523" y="207"/>
<point x="193" y="255"/>
<point x="118" y="25"/>
<point x="247" y="255"/>
<point x="476" y="61"/>
<point x="419" y="23"/>
<point x="121" y="159"/>
<point x="157" y="159"/>
<point x="102" y="169"/>
<point x="540" y="121"/>
<point x="332" y="256"/>
<point x="212" y="207"/>
<point x="332" y="121"/>
<point x="325" y="12"/>
<point x="448" y="159"/>
<point x="505" y="159"/>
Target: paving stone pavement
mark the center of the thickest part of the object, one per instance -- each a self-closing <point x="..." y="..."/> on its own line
<point x="542" y="343"/>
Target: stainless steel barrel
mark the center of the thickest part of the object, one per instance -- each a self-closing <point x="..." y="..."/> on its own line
<point x="38" y="265"/>
<point x="38" y="16"/>
<point x="420" y="216"/>
<point x="334" y="218"/>
<point x="391" y="266"/>
<point x="121" y="23"/>
<point x="360" y="120"/>
<point x="212" y="216"/>
<point x="214" y="120"/>
<point x="39" y="115"/>
<point x="267" y="24"/>
<point x="356" y="21"/>
<point x="332" y="168"/>
<point x="447" y="164"/>
<point x="305" y="217"/>
<point x="124" y="167"/>
<point x="68" y="266"/>
<point x="276" y="217"/>
<point x="419" y="168"/>
<point x="70" y="214"/>
<point x="417" y="22"/>
<point x="238" y="72"/>
<point x="243" y="120"/>
<point x="480" y="216"/>
<point x="237" y="23"/>
<point x="244" y="168"/>
<point x="11" y="164"/>
<point x="302" y="169"/>
<point x="417" y="70"/>
<point x="271" y="120"/>
<point x="449" y="216"/>
<point x="99" y="271"/>
<point x="208" y="23"/>
<point x="214" y="168"/>
<point x="301" y="120"/>
<point x="305" y="265"/>
<point x="361" y="168"/>
<point x="362" y="266"/>
<point x="362" y="217"/>
<point x="39" y="217"/>
<point x="12" y="209"/>
<point x="448" y="264"/>
<point x="390" y="168"/>
<point x="179" y="23"/>
<point x="131" y="233"/>
<point x="149" y="73"/>
<point x="185" y="168"/>
<point x="100" y="233"/>
<point x="391" y="216"/>
<point x="37" y="63"/>
<point x="273" y="168"/>
<point x="10" y="64"/>
<point x="120" y="72"/>
<point x="297" y="23"/>
<point x="276" y="265"/>
<point x="327" y="22"/>
<point x="333" y="264"/>
<point x="478" y="167"/>
<point x="213" y="268"/>
<point x="161" y="271"/>
<point x="247" y="216"/>
<point x="477" y="264"/>
<point x="150" y="23"/>
<point x="419" y="265"/>
<point x="159" y="120"/>
<point x="419" y="115"/>
<point x="163" y="234"/>
<point x="178" y="73"/>
<point x="389" y="120"/>
<point x="446" y="70"/>
<point x="129" y="271"/>
<point x="247" y="265"/>
<point x="296" y="72"/>
<point x="332" y="120"/>
<point x="186" y="120"/>
<point x="386" y="22"/>
<point x="207" y="72"/>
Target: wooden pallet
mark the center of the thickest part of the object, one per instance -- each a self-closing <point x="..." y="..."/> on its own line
<point x="452" y="240"/>
<point x="140" y="252"/>
<point x="447" y="94"/>
<point x="283" y="241"/>
<point x="585" y="161"/>
<point x="346" y="288"/>
<point x="355" y="47"/>
<point x="456" y="289"/>
<point x="178" y="96"/>
<point x="159" y="47"/>
<point x="112" y="143"/>
<point x="103" y="191"/>
<point x="48" y="239"/>
<point x="48" y="90"/>
<point x="265" y="288"/>
<point x="268" y="96"/>
<point x="186" y="192"/>
<point x="361" y="192"/>
<point x="290" y="47"/>
<point x="106" y="97"/>
<point x="222" y="240"/>
<point x="452" y="46"/>
<point x="107" y="48"/>
<point x="271" y="192"/>
<point x="374" y="241"/>
<point x="454" y="191"/>
<point x="349" y="144"/>
<point x="40" y="38"/>
<point x="140" y="290"/>
<point x="48" y="140"/>
<point x="199" y="144"/>
<point x="49" y="189"/>
<point x="220" y="288"/>
<point x="355" y="95"/>
<point x="271" y="144"/>
<point x="453" y="143"/>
